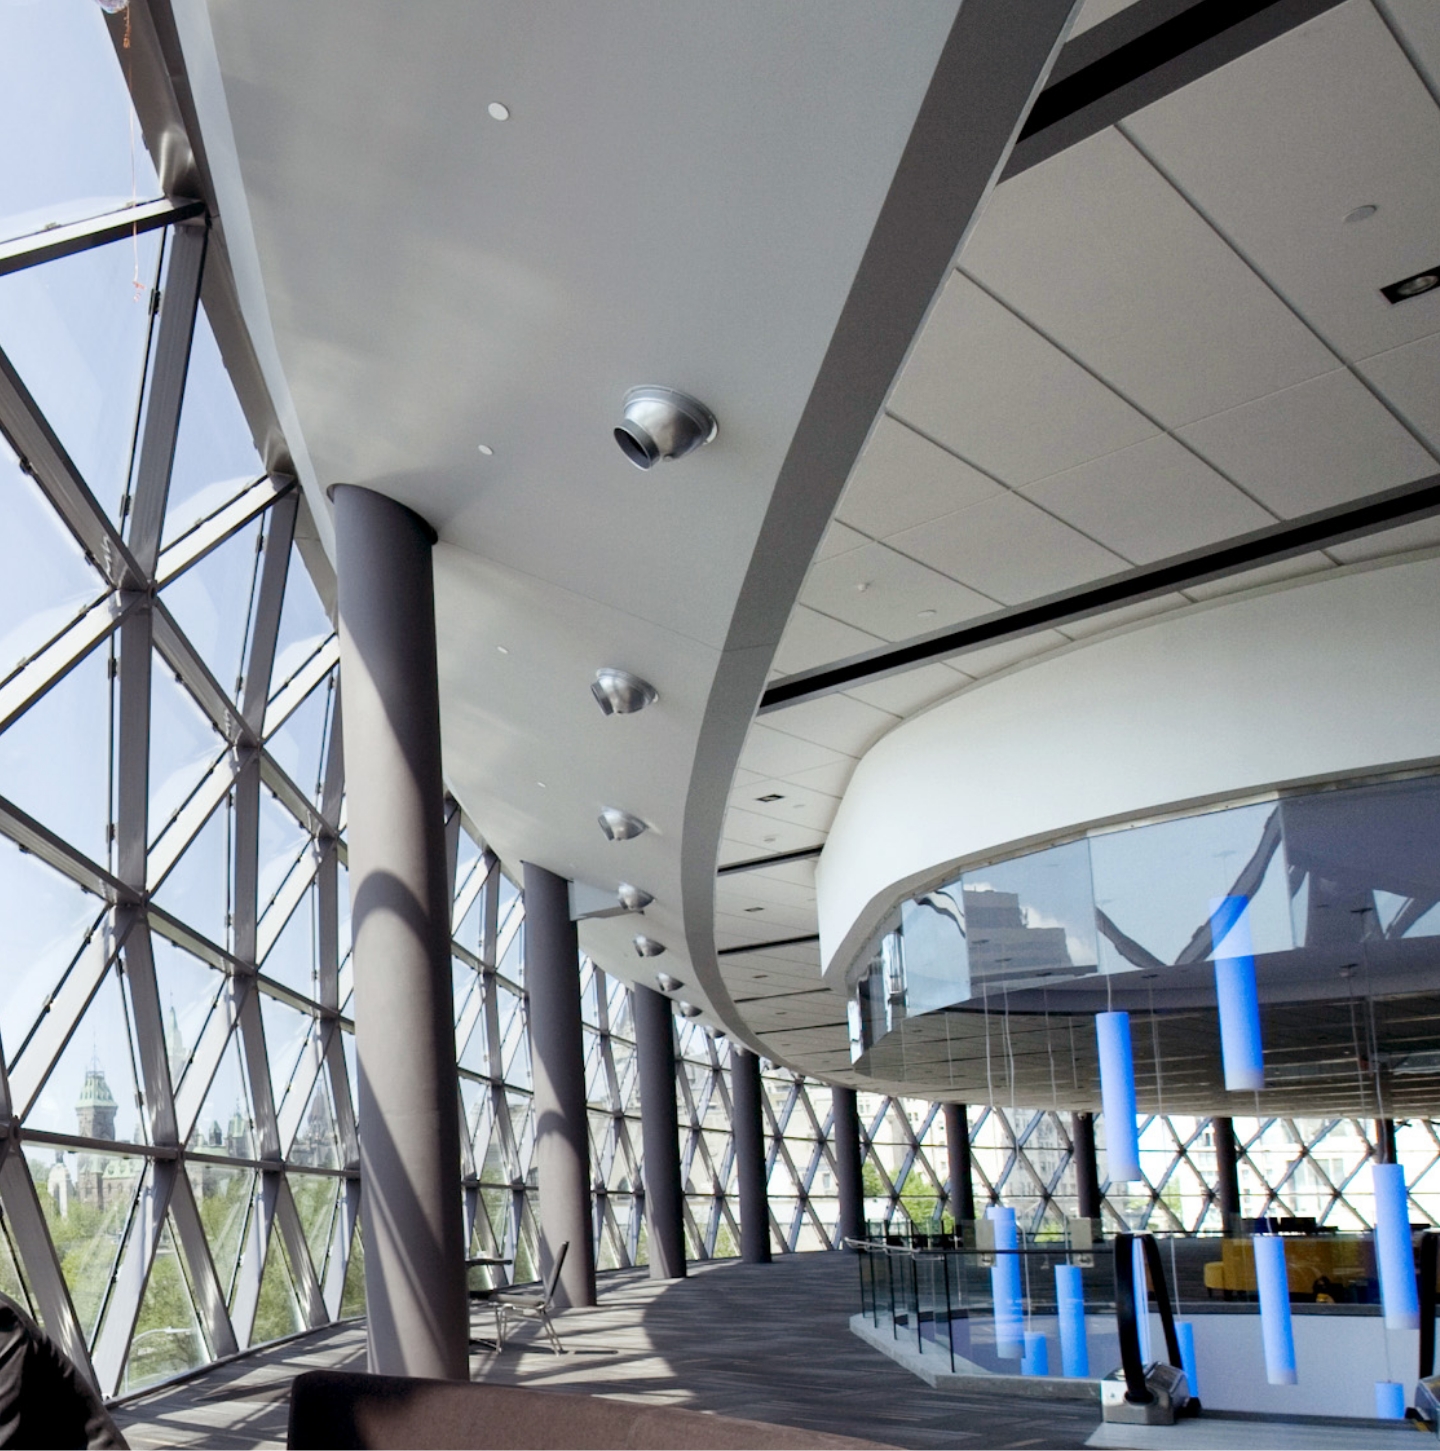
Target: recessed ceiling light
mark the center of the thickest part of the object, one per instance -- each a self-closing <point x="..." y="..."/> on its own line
<point x="499" y="111"/>
<point x="862" y="586"/>
<point x="502" y="649"/>
<point x="769" y="840"/>
<point x="754" y="909"/>
<point x="540" y="784"/>
<point x="927" y="614"/>
<point x="1414" y="286"/>
<point x="1362" y="214"/>
<point x="772" y="796"/>
<point x="486" y="450"/>
<point x="620" y="825"/>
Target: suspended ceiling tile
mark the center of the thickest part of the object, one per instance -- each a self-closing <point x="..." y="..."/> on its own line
<point x="764" y="835"/>
<point x="732" y="929"/>
<point x="1278" y="147"/>
<point x="1150" y="500"/>
<point x="837" y="539"/>
<point x="1318" y="444"/>
<point x="887" y="594"/>
<point x="1409" y="380"/>
<point x="832" y="778"/>
<point x="993" y="658"/>
<point x="1278" y="573"/>
<point x="837" y="722"/>
<point x="1092" y="12"/>
<point x="1418" y="22"/>
<point x="1009" y="549"/>
<point x="903" y="479"/>
<point x="986" y="385"/>
<point x="797" y="805"/>
<point x="774" y="753"/>
<point x="812" y="638"/>
<point x="751" y="889"/>
<point x="912" y="690"/>
<point x="1100" y="253"/>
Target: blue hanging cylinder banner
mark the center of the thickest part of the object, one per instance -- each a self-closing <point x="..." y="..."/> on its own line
<point x="1389" y="1400"/>
<point x="1070" y="1304"/>
<point x="1117" y="1096"/>
<point x="1236" y="994"/>
<point x="1276" y="1331"/>
<point x="1394" y="1256"/>
<point x="1005" y="1286"/>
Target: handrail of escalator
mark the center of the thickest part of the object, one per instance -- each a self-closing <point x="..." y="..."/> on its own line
<point x="1127" y="1312"/>
<point x="1429" y="1263"/>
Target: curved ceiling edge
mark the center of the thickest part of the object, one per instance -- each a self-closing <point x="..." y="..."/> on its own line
<point x="993" y="64"/>
<point x="1321" y="681"/>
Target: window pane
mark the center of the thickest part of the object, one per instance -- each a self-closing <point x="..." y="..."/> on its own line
<point x="213" y="602"/>
<point x="183" y="746"/>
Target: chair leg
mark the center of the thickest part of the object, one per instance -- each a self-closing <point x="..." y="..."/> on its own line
<point x="499" y="1327"/>
<point x="550" y="1331"/>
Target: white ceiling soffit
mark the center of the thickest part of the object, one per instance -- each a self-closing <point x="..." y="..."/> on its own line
<point x="682" y="194"/>
<point x="1162" y="337"/>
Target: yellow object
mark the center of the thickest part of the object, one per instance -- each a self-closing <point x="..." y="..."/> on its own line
<point x="1306" y="1261"/>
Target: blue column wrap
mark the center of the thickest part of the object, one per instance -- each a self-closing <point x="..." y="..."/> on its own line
<point x="1070" y="1302"/>
<point x="1005" y="1286"/>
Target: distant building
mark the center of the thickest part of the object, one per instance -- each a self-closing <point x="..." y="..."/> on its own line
<point x="101" y="1180"/>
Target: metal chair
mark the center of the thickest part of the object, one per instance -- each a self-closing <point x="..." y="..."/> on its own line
<point x="531" y="1306"/>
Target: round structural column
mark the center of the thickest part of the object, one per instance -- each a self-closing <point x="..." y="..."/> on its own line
<point x="957" y="1140"/>
<point x="848" y="1181"/>
<point x="1227" y="1171"/>
<point x="562" y="1147"/>
<point x="749" y="1124"/>
<point x="1087" y="1166"/>
<point x="417" y="1313"/>
<point x="660" y="1121"/>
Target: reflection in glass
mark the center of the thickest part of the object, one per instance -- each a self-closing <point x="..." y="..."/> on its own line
<point x="184" y="745"/>
<point x="197" y="888"/>
<point x="213" y="602"/>
<point x="168" y="1339"/>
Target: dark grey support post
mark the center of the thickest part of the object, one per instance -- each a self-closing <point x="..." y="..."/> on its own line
<point x="1227" y="1171"/>
<point x="659" y="1118"/>
<point x="957" y="1141"/>
<point x="1385" y="1146"/>
<point x="848" y="1180"/>
<point x="417" y="1314"/>
<point x="749" y="1124"/>
<point x="562" y="1146"/>
<point x="1087" y="1167"/>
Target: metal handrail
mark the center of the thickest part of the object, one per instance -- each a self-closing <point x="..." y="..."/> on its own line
<point x="1127" y="1312"/>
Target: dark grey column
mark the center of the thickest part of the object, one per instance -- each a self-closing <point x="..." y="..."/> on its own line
<point x="1227" y="1170"/>
<point x="848" y="1180"/>
<point x="957" y="1141"/>
<point x="1087" y="1168"/>
<point x="1385" y="1147"/>
<point x="417" y="1314"/>
<point x="562" y="1147"/>
<point x="660" y="1122"/>
<point x="749" y="1127"/>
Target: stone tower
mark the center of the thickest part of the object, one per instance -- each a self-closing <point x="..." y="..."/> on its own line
<point x="95" y="1108"/>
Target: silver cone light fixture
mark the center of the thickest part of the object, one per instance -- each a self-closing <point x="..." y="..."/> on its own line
<point x="667" y="983"/>
<point x="620" y="825"/>
<point x="618" y="692"/>
<point x="647" y="946"/>
<point x="633" y="899"/>
<point x="689" y="1010"/>
<point x="662" y="423"/>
